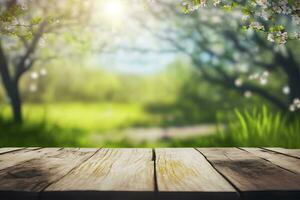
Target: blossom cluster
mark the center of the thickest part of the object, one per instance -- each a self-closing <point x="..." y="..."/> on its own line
<point x="257" y="12"/>
<point x="263" y="77"/>
<point x="35" y="75"/>
<point x="295" y="105"/>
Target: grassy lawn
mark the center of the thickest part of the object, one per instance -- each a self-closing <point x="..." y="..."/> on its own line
<point x="70" y="124"/>
<point x="90" y="117"/>
<point x="94" y="125"/>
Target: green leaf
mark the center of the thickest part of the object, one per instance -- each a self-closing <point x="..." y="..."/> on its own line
<point x="36" y="20"/>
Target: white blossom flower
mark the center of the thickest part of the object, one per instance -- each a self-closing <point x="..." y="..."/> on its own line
<point x="34" y="75"/>
<point x="264" y="14"/>
<point x="248" y="94"/>
<point x="265" y="74"/>
<point x="22" y="4"/>
<point x="238" y="82"/>
<point x="292" y="108"/>
<point x="295" y="105"/>
<point x="256" y="26"/>
<point x="271" y="37"/>
<point x="263" y="81"/>
<point x="43" y="72"/>
<point x="217" y="2"/>
<point x="244" y="67"/>
<point x="42" y="42"/>
<point x="245" y="17"/>
<point x="283" y="38"/>
<point x="296" y="19"/>
<point x="263" y="3"/>
<point x="296" y="101"/>
<point x="32" y="88"/>
<point x="254" y="76"/>
<point x="286" y="90"/>
<point x="263" y="77"/>
<point x="203" y="3"/>
<point x="295" y="35"/>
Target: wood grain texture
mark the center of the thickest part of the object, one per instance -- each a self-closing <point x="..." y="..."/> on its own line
<point x="9" y="149"/>
<point x="286" y="162"/>
<point x="186" y="171"/>
<point x="253" y="176"/>
<point x="160" y="174"/>
<point x="109" y="174"/>
<point x="289" y="152"/>
<point x="28" y="178"/>
<point x="15" y="157"/>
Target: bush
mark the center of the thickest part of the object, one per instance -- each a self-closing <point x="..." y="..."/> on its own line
<point x="256" y="127"/>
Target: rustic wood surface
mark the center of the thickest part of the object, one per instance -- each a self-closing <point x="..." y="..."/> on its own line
<point x="5" y="150"/>
<point x="186" y="170"/>
<point x="286" y="162"/>
<point x="162" y="173"/>
<point x="253" y="176"/>
<point x="289" y="152"/>
<point x="110" y="170"/>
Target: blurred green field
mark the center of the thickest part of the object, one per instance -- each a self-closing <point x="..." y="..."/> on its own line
<point x="88" y="117"/>
<point x="103" y="124"/>
<point x="71" y="124"/>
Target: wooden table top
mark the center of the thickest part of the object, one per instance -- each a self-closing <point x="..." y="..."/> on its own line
<point x="161" y="173"/>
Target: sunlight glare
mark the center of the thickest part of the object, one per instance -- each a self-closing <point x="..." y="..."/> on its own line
<point x="114" y="9"/>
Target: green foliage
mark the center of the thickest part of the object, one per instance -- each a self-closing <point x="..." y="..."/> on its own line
<point x="257" y="127"/>
<point x="261" y="16"/>
<point x="262" y="127"/>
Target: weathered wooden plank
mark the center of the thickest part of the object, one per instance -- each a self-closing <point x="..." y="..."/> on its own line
<point x="289" y="152"/>
<point x="28" y="178"/>
<point x="108" y="174"/>
<point x="9" y="149"/>
<point x="15" y="157"/>
<point x="183" y="173"/>
<point x="286" y="162"/>
<point x="253" y="176"/>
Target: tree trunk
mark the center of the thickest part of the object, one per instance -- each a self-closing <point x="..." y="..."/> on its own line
<point x="16" y="103"/>
<point x="11" y="87"/>
<point x="292" y="70"/>
<point x="294" y="84"/>
<point x="12" y="91"/>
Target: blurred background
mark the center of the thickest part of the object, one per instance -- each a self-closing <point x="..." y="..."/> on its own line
<point x="128" y="73"/>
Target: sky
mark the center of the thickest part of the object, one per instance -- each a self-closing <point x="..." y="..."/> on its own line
<point x="126" y="34"/>
<point x="137" y="63"/>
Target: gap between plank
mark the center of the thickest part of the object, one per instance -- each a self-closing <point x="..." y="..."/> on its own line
<point x="12" y="150"/>
<point x="236" y="188"/>
<point x="265" y="148"/>
<point x="42" y="190"/>
<point x="267" y="160"/>
<point x="154" y="171"/>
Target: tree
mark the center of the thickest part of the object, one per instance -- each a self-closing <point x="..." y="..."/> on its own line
<point x="23" y="27"/>
<point x="226" y="55"/>
<point x="261" y="15"/>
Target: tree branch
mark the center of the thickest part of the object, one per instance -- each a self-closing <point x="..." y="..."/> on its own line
<point x="22" y="67"/>
<point x="5" y="75"/>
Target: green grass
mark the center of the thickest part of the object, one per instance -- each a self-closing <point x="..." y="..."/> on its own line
<point x="90" y="117"/>
<point x="70" y="124"/>
<point x="251" y="128"/>
<point x="83" y="125"/>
